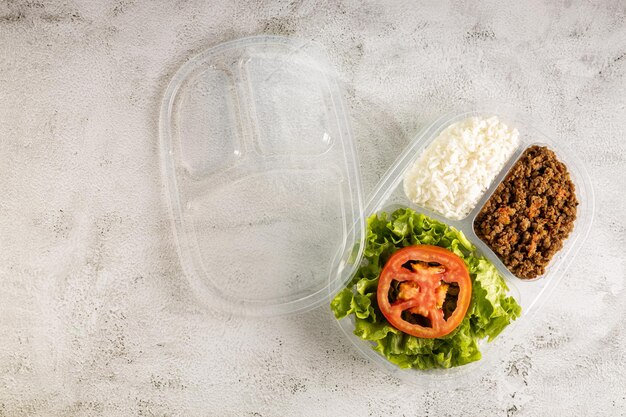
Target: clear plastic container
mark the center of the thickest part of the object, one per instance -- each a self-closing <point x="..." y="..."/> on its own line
<point x="265" y="194"/>
<point x="530" y="294"/>
<point x="262" y="175"/>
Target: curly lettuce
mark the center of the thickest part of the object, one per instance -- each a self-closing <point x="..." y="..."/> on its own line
<point x="490" y="310"/>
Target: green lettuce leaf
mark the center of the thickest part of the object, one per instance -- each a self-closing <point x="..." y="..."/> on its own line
<point x="490" y="310"/>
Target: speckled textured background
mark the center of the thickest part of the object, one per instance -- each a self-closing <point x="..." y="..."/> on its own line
<point x="96" y="318"/>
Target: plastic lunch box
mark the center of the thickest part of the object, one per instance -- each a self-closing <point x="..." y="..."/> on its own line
<point x="265" y="195"/>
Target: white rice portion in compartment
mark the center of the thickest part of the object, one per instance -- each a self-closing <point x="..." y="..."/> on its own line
<point x="455" y="170"/>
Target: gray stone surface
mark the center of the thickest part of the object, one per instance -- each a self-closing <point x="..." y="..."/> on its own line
<point x="96" y="318"/>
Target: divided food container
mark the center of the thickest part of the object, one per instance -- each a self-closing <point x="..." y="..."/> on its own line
<point x="530" y="294"/>
<point x="265" y="195"/>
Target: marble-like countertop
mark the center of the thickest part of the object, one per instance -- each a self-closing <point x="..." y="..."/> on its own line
<point x="96" y="317"/>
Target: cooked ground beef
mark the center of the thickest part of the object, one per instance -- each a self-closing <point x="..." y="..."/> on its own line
<point x="530" y="214"/>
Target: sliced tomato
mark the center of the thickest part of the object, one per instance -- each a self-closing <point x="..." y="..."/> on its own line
<point x="424" y="291"/>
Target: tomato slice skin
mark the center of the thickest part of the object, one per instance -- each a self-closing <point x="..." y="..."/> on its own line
<point x="421" y="289"/>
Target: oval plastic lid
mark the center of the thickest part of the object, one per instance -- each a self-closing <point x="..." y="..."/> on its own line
<point x="262" y="176"/>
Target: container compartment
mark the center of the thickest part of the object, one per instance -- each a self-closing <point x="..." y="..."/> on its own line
<point x="456" y="168"/>
<point x="291" y="103"/>
<point x="551" y="218"/>
<point x="288" y="211"/>
<point x="207" y="129"/>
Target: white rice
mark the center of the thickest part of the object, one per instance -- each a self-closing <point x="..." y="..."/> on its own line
<point x="455" y="170"/>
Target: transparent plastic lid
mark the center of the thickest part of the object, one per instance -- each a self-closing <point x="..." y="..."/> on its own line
<point x="262" y="176"/>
